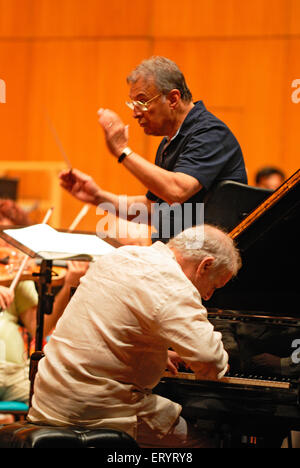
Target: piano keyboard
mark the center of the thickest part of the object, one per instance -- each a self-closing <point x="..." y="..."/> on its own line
<point x="255" y="382"/>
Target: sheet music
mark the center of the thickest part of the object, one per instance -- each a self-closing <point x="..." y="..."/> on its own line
<point x="48" y="243"/>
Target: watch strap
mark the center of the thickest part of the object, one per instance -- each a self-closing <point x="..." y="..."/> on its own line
<point x="126" y="152"/>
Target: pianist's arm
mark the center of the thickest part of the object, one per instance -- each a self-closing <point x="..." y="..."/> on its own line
<point x="184" y="325"/>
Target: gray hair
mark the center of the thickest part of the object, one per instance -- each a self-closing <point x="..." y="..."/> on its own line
<point x="199" y="242"/>
<point x="166" y="76"/>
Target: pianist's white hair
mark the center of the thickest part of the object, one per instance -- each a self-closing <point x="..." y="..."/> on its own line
<point x="199" y="242"/>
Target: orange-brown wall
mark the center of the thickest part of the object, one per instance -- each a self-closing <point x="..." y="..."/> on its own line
<point x="67" y="58"/>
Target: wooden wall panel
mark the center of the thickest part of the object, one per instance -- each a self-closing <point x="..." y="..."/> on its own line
<point x="133" y="18"/>
<point x="291" y="114"/>
<point x="215" y="18"/>
<point x="295" y="18"/>
<point x="74" y="18"/>
<point x="15" y="71"/>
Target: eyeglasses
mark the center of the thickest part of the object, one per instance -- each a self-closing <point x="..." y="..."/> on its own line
<point x="141" y="105"/>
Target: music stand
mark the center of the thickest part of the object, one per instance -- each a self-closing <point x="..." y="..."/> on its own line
<point x="45" y="306"/>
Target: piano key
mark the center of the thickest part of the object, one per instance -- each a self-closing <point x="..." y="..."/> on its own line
<point x="233" y="380"/>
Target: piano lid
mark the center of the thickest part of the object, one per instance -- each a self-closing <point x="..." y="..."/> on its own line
<point x="268" y="239"/>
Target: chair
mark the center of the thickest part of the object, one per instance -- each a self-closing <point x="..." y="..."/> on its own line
<point x="17" y="408"/>
<point x="229" y="202"/>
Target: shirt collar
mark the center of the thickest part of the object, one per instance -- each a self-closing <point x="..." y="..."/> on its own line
<point x="164" y="249"/>
<point x="173" y="137"/>
<point x="198" y="108"/>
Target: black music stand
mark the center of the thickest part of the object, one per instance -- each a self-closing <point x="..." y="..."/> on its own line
<point x="45" y="305"/>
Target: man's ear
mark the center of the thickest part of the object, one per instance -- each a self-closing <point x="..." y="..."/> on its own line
<point x="174" y="97"/>
<point x="204" y="266"/>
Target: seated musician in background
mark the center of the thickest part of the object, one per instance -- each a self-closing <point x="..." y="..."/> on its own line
<point x="196" y="152"/>
<point x="19" y="309"/>
<point x="129" y="309"/>
<point x="269" y="178"/>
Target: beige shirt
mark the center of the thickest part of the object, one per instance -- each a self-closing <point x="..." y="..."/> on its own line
<point x="110" y="346"/>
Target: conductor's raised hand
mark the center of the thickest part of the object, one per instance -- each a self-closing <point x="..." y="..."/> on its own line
<point x="115" y="131"/>
<point x="81" y="186"/>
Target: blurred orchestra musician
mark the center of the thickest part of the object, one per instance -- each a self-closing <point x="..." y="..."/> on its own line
<point x="18" y="310"/>
<point x="269" y="178"/>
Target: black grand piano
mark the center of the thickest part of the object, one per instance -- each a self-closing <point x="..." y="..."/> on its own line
<point x="257" y="404"/>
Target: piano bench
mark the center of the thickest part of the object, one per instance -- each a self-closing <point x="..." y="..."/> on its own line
<point x="27" y="435"/>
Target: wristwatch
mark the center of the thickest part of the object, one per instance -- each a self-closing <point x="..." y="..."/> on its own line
<point x="126" y="152"/>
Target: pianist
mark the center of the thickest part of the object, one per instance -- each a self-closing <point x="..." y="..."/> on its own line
<point x="110" y="347"/>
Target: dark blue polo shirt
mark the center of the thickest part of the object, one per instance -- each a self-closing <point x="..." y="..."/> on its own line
<point x="204" y="148"/>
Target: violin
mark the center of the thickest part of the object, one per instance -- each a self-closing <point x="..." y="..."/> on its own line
<point x="10" y="262"/>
